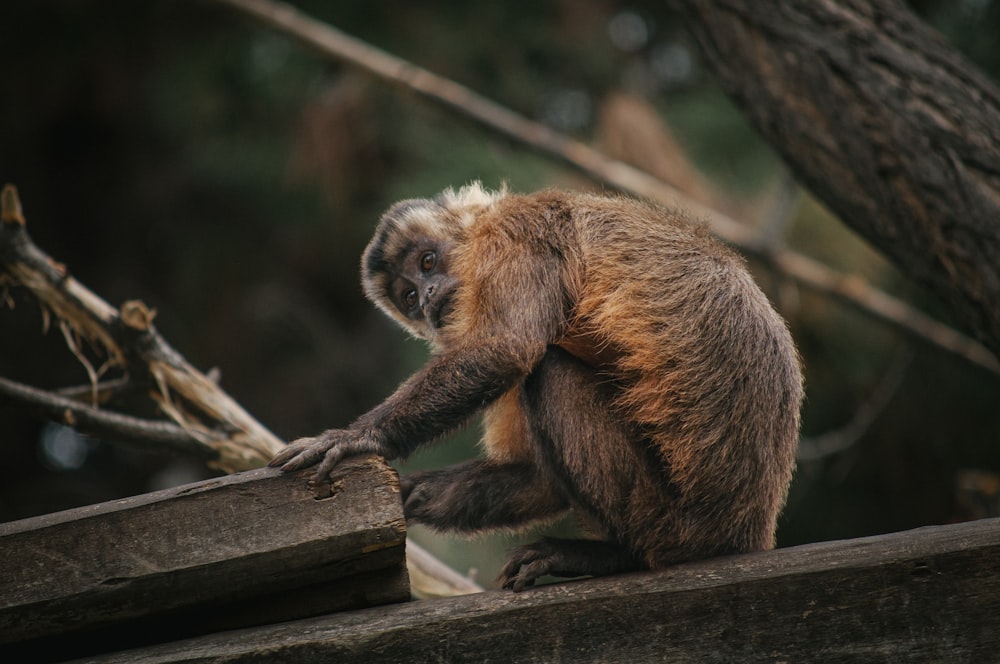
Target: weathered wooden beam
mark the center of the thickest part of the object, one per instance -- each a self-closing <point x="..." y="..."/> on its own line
<point x="247" y="549"/>
<point x="931" y="594"/>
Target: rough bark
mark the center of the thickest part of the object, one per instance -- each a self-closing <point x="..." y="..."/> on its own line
<point x="893" y="129"/>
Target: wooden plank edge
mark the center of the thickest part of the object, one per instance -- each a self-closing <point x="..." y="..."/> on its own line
<point x="111" y="588"/>
<point x="927" y="594"/>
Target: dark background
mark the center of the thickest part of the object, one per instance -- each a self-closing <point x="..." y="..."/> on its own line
<point x="177" y="153"/>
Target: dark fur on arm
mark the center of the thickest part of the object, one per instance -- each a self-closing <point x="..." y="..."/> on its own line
<point x="481" y="495"/>
<point x="437" y="399"/>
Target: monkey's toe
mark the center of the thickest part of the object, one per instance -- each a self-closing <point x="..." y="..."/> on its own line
<point x="565" y="558"/>
<point x="525" y="577"/>
<point x="525" y="565"/>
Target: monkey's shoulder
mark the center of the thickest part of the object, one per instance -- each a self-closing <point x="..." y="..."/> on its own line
<point x="528" y="217"/>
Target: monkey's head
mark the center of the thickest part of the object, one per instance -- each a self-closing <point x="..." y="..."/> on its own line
<point x="405" y="269"/>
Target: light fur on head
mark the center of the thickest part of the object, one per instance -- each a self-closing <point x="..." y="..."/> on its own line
<point x="443" y="218"/>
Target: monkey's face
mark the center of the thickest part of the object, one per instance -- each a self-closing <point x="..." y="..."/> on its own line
<point x="421" y="287"/>
<point x="405" y="268"/>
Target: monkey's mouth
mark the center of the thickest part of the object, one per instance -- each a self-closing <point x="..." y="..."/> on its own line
<point x="441" y="309"/>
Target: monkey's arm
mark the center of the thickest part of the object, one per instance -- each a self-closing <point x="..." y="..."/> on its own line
<point x="435" y="400"/>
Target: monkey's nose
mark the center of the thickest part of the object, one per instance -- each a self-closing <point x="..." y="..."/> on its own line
<point x="427" y="296"/>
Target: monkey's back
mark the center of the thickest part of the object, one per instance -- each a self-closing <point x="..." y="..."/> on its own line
<point x="706" y="366"/>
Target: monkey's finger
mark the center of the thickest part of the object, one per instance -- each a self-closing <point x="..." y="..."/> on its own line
<point x="523" y="581"/>
<point x="281" y="457"/>
<point x="522" y="555"/>
<point x="293" y="448"/>
<point x="406" y="485"/>
<point x="303" y="459"/>
<point x="525" y="564"/>
<point x="332" y="457"/>
<point x="505" y="581"/>
<point x="336" y="453"/>
<point x="507" y="573"/>
<point x="306" y="455"/>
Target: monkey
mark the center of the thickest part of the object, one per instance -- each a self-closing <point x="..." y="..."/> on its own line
<point x="627" y="367"/>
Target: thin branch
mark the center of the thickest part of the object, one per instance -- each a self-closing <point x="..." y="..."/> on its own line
<point x="74" y="348"/>
<point x="781" y="212"/>
<point x="104" y="390"/>
<point x="833" y="442"/>
<point x="858" y="293"/>
<point x="156" y="435"/>
<point x="809" y="273"/>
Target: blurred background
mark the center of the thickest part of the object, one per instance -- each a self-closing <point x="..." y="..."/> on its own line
<point x="178" y="153"/>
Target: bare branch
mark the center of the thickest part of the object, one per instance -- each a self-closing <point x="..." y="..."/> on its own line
<point x="230" y="437"/>
<point x="809" y="273"/>
<point x="861" y="295"/>
<point x="159" y="436"/>
<point x="781" y="212"/>
<point x="104" y="390"/>
<point x="832" y="442"/>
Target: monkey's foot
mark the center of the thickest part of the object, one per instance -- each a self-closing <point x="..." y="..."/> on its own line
<point x="559" y="557"/>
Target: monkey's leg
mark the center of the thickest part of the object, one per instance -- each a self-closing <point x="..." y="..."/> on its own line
<point x="594" y="456"/>
<point x="480" y="495"/>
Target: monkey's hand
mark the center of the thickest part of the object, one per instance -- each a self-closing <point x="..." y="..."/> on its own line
<point x="326" y="449"/>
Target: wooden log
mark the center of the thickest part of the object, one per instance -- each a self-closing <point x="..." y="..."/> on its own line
<point x="247" y="549"/>
<point x="931" y="594"/>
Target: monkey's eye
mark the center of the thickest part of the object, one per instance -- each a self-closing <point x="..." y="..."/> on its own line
<point x="427" y="261"/>
<point x="410" y="298"/>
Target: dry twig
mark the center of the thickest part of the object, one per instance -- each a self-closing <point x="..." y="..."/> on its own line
<point x="152" y="435"/>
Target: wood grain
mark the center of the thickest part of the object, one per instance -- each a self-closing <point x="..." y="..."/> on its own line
<point x="931" y="594"/>
<point x="251" y="548"/>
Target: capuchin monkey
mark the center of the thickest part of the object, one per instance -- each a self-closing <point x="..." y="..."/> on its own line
<point x="626" y="365"/>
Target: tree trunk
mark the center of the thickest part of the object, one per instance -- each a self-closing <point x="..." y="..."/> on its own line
<point x="894" y="130"/>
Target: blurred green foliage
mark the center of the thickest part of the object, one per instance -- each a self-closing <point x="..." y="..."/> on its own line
<point x="178" y="153"/>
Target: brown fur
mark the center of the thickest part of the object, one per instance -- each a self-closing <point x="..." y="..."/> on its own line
<point x="629" y="367"/>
